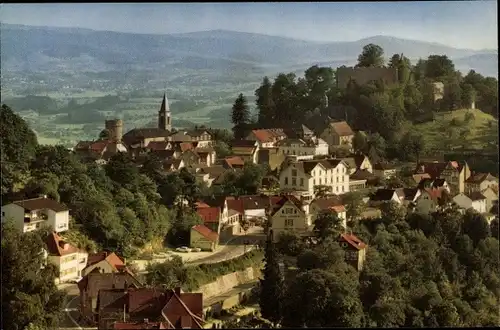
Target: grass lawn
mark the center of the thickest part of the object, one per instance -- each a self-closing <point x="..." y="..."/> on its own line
<point x="442" y="134"/>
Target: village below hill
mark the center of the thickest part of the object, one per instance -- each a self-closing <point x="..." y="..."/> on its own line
<point x="361" y="197"/>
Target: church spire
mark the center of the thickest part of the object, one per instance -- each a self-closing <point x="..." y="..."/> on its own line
<point x="164" y="118"/>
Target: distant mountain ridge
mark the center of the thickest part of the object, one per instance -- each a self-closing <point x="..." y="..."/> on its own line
<point x="50" y="48"/>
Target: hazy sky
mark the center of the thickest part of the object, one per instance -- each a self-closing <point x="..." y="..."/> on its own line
<point x="461" y="24"/>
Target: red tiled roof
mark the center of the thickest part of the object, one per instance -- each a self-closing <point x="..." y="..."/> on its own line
<point x="342" y="128"/>
<point x="111" y="258"/>
<point x="185" y="310"/>
<point x="234" y="161"/>
<point x="56" y="245"/>
<point x="98" y="146"/>
<point x="434" y="193"/>
<point x="40" y="203"/>
<point x="338" y="208"/>
<point x="263" y="135"/>
<point x="325" y="203"/>
<point x="282" y="200"/>
<point x="236" y="204"/>
<point x="157" y="145"/>
<point x="353" y="241"/>
<point x="209" y="214"/>
<point x="206" y="232"/>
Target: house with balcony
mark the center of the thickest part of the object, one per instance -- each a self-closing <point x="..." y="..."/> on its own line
<point x="288" y="214"/>
<point x="31" y="214"/>
<point x="303" y="176"/>
<point x="455" y="173"/>
<point x="69" y="260"/>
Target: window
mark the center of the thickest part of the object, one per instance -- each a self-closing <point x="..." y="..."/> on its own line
<point x="3" y="214"/>
<point x="294" y="172"/>
<point x="337" y="179"/>
<point x="320" y="181"/>
<point x="342" y="188"/>
<point x="314" y="181"/>
<point x="294" y="181"/>
<point x="286" y="181"/>
<point x="288" y="222"/>
<point x="301" y="182"/>
<point x="289" y="210"/>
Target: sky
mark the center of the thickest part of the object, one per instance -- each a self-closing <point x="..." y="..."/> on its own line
<point x="460" y="24"/>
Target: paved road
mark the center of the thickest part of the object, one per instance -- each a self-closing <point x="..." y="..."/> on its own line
<point x="233" y="248"/>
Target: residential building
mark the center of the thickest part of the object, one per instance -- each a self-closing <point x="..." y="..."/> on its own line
<point x="338" y="134"/>
<point x="474" y="200"/>
<point x="209" y="174"/>
<point x="289" y="215"/>
<point x="358" y="162"/>
<point x="172" y="165"/>
<point x="69" y="260"/>
<point x="480" y="182"/>
<point x="360" y="179"/>
<point x="455" y="173"/>
<point x="355" y="250"/>
<point x="200" y="138"/>
<point x="31" y="214"/>
<point x="246" y="150"/>
<point x="173" y="309"/>
<point x="428" y="183"/>
<point x="384" y="170"/>
<point x="328" y="204"/>
<point x="101" y="150"/>
<point x="90" y="285"/>
<point x="491" y="195"/>
<point x="427" y="200"/>
<point x="303" y="176"/>
<point x="206" y="154"/>
<point x="103" y="262"/>
<point x="267" y="138"/>
<point x="298" y="131"/>
<point x="303" y="149"/>
<point x="384" y="195"/>
<point x="211" y="217"/>
<point x="204" y="238"/>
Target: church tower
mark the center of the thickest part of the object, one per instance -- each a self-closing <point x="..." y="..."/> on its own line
<point x="164" y="117"/>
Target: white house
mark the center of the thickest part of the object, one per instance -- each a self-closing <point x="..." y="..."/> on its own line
<point x="303" y="148"/>
<point x="303" y="176"/>
<point x="474" y="200"/>
<point x="480" y="182"/>
<point x="288" y="215"/>
<point x="32" y="214"/>
<point x="267" y="138"/>
<point x="69" y="260"/>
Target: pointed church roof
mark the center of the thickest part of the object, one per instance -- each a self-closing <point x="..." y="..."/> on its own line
<point x="164" y="104"/>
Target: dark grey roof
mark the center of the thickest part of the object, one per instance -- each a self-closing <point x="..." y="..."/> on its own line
<point x="383" y="195"/>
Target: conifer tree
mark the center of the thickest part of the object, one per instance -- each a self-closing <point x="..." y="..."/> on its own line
<point x="240" y="115"/>
<point x="271" y="286"/>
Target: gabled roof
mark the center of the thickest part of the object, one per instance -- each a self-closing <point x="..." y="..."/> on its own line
<point x="325" y="203"/>
<point x="203" y="150"/>
<point x="475" y="196"/>
<point x="83" y="145"/>
<point x="157" y="145"/>
<point x="184" y="311"/>
<point x="351" y="162"/>
<point x="138" y="325"/>
<point x="41" y="203"/>
<point x="353" y="241"/>
<point x="342" y="128"/>
<point x="209" y="214"/>
<point x="383" y="195"/>
<point x="93" y="282"/>
<point x="206" y="232"/>
<point x="308" y="165"/>
<point x="297" y="130"/>
<point x="435" y="194"/>
<point x="184" y="146"/>
<point x="113" y="260"/>
<point x="409" y="193"/>
<point x="234" y="161"/>
<point x="56" y="246"/>
<point x="359" y="159"/>
<point x="481" y="177"/>
<point x="361" y="175"/>
<point x="236" y="205"/>
<point x="283" y="200"/>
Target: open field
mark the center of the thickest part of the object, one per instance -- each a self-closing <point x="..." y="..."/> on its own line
<point x="447" y="131"/>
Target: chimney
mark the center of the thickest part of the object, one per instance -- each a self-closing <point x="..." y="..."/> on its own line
<point x="177" y="291"/>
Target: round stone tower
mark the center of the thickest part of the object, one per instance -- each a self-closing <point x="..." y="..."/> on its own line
<point x="115" y="129"/>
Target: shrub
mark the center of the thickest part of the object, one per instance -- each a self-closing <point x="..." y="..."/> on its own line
<point x="469" y="116"/>
<point x="455" y="122"/>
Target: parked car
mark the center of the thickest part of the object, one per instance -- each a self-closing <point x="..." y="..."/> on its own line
<point x="196" y="250"/>
<point x="183" y="249"/>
